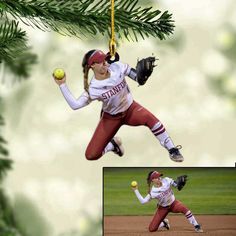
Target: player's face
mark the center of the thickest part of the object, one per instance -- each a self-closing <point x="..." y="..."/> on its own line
<point x="100" y="68"/>
<point x="157" y="181"/>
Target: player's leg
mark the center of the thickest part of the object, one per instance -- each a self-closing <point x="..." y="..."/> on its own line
<point x="179" y="207"/>
<point x="103" y="141"/>
<point x="138" y="115"/>
<point x="157" y="221"/>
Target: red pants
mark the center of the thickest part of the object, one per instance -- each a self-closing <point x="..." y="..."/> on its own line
<point x="110" y="124"/>
<point x="161" y="213"/>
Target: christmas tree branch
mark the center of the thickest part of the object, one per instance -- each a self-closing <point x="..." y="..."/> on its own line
<point x="5" y="164"/>
<point x="14" y="52"/>
<point x="12" y="40"/>
<point x="3" y="150"/>
<point x="89" y="17"/>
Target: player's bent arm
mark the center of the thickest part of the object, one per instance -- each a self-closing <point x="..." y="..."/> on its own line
<point x="140" y="197"/>
<point x="74" y="103"/>
<point x="128" y="71"/>
<point x="173" y="183"/>
<point x="132" y="74"/>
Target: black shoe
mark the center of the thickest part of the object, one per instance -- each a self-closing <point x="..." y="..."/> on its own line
<point x="175" y="154"/>
<point x="118" y="148"/>
<point x="198" y="229"/>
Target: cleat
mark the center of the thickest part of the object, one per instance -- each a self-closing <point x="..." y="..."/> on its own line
<point x="118" y="148"/>
<point x="166" y="224"/>
<point x="198" y="229"/>
<point x="175" y="154"/>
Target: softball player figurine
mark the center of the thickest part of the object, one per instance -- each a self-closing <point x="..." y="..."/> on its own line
<point x="161" y="190"/>
<point x="109" y="86"/>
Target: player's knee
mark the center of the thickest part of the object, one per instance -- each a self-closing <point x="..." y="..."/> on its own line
<point x="152" y="228"/>
<point x="185" y="211"/>
<point x="151" y="120"/>
<point x="92" y="156"/>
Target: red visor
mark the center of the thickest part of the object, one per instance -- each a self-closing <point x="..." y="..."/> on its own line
<point x="155" y="175"/>
<point x="97" y="57"/>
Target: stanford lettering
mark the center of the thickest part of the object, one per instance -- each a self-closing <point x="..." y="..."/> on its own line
<point x="116" y="89"/>
<point x="165" y="193"/>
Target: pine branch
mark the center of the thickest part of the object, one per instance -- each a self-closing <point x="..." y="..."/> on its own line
<point x="8" y="224"/>
<point x="5" y="165"/>
<point x="89" y="17"/>
<point x="3" y="150"/>
<point x="12" y="40"/>
<point x="1" y="118"/>
<point x="21" y="65"/>
<point x="14" y="51"/>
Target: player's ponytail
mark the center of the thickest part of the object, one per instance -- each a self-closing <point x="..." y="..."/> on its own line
<point x="149" y="181"/>
<point x="86" y="85"/>
<point x="86" y="69"/>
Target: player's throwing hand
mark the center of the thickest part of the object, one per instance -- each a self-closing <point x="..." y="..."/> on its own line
<point x="60" y="81"/>
<point x="134" y="185"/>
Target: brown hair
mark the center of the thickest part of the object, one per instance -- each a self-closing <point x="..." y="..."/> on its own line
<point x="86" y="69"/>
<point x="149" y="181"/>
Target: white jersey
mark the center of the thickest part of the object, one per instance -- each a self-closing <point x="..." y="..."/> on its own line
<point x="113" y="92"/>
<point x="163" y="194"/>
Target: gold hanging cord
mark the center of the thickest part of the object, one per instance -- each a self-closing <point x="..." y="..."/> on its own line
<point x="112" y="43"/>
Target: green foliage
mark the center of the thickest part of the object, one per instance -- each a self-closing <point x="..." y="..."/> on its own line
<point x="22" y="64"/>
<point x="89" y="17"/>
<point x="208" y="190"/>
<point x="14" y="221"/>
<point x="6" y="211"/>
<point x="3" y="150"/>
<point x="24" y="212"/>
<point x="12" y="40"/>
<point x="7" y="223"/>
<point x="224" y="83"/>
<point x="227" y="41"/>
<point x="5" y="165"/>
<point x="14" y="52"/>
<point x="82" y="18"/>
<point x="8" y="226"/>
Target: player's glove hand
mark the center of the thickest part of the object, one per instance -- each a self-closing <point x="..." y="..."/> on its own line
<point x="181" y="181"/>
<point x="144" y="69"/>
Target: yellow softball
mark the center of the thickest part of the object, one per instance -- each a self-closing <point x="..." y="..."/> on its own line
<point x="134" y="183"/>
<point x="59" y="73"/>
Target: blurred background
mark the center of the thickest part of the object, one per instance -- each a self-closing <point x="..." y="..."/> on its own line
<point x="192" y="91"/>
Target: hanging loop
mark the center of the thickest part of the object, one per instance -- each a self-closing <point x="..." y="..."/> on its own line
<point x="112" y="47"/>
<point x="109" y="56"/>
<point x="112" y="42"/>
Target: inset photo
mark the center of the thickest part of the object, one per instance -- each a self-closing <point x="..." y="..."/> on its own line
<point x="169" y="201"/>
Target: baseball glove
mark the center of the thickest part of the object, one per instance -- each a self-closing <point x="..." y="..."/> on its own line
<point x="181" y="181"/>
<point x="144" y="69"/>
